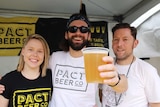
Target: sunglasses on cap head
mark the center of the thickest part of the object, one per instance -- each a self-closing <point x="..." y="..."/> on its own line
<point x="83" y="29"/>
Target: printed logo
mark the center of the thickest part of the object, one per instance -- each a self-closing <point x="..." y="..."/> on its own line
<point x="69" y="77"/>
<point x="32" y="97"/>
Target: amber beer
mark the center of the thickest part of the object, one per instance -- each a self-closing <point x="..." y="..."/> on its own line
<point x="92" y="59"/>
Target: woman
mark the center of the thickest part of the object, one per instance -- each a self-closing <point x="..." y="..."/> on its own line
<point x="31" y="83"/>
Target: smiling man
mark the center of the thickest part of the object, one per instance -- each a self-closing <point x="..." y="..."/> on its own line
<point x="69" y="81"/>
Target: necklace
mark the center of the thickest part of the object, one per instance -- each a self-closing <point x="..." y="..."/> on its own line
<point x="117" y="100"/>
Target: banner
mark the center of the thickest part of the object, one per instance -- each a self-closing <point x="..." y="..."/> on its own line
<point x="13" y="32"/>
<point x="99" y="37"/>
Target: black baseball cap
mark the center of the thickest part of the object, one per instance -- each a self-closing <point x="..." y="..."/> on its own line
<point x="78" y="16"/>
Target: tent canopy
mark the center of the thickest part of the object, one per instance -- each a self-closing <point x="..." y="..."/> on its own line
<point x="111" y="10"/>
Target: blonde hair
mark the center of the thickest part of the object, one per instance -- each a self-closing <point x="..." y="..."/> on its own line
<point x="44" y="65"/>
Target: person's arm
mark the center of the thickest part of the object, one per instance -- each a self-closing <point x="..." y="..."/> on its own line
<point x="1" y="88"/>
<point x="3" y="101"/>
<point x="154" y="104"/>
<point x="121" y="85"/>
<point x="111" y="77"/>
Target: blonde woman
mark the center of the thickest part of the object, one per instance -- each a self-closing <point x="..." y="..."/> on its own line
<point x="31" y="83"/>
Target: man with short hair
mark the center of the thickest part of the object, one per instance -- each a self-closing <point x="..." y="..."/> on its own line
<point x="143" y="79"/>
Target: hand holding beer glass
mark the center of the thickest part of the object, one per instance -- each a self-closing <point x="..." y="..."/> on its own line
<point x="92" y="59"/>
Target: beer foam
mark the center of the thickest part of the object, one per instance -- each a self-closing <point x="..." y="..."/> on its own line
<point x="100" y="50"/>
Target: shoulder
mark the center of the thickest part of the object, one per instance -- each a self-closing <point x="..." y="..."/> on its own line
<point x="57" y="57"/>
<point x="144" y="64"/>
<point x="48" y="72"/>
<point x="11" y="74"/>
<point x="145" y="67"/>
<point x="58" y="54"/>
<point x="10" y="77"/>
<point x="48" y="78"/>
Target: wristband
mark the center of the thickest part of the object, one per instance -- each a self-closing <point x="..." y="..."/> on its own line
<point x="119" y="78"/>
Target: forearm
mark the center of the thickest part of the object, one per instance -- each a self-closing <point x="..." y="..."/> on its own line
<point x="3" y="101"/>
<point x="122" y="86"/>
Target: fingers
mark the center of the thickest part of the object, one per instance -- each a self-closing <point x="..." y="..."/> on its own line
<point x="1" y="89"/>
<point x="108" y="71"/>
<point x="112" y="81"/>
<point x="108" y="74"/>
<point x="110" y="78"/>
<point x="109" y="66"/>
<point x="108" y="59"/>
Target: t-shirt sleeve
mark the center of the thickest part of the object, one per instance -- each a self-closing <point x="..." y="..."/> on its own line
<point x="152" y="83"/>
<point x="5" y="81"/>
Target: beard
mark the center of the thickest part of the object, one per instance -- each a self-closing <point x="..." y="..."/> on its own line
<point x="77" y="46"/>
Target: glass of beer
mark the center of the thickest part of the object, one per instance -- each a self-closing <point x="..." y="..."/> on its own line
<point x="92" y="59"/>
